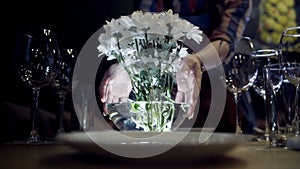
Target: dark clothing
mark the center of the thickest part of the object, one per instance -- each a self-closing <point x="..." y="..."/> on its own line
<point x="218" y="19"/>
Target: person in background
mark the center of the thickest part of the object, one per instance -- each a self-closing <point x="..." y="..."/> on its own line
<point x="221" y="21"/>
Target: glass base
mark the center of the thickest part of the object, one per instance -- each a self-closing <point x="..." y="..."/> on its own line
<point x="238" y="130"/>
<point x="34" y="137"/>
<point x="279" y="139"/>
<point x="147" y="116"/>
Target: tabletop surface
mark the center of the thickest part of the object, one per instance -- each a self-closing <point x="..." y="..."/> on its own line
<point x="248" y="155"/>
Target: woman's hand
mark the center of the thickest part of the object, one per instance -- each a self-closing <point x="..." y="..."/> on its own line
<point x="190" y="69"/>
<point x="115" y="86"/>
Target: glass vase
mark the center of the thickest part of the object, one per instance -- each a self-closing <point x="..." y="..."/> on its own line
<point x="151" y="105"/>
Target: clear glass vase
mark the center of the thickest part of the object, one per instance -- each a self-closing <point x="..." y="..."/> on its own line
<point x="152" y="104"/>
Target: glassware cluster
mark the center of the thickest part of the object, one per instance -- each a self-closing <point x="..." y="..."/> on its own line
<point x="274" y="74"/>
<point x="282" y="89"/>
<point x="39" y="62"/>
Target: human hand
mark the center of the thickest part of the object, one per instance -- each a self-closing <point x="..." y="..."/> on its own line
<point x="115" y="86"/>
<point x="190" y="69"/>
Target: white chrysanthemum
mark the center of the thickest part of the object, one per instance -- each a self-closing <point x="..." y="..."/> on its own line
<point x="107" y="44"/>
<point x="129" y="28"/>
<point x="183" y="52"/>
<point x="187" y="30"/>
<point x="143" y="21"/>
<point x="146" y="30"/>
<point x="114" y="27"/>
<point x="128" y="52"/>
<point x="126" y="22"/>
<point x="111" y="56"/>
<point x="169" y="18"/>
<point x="158" y="25"/>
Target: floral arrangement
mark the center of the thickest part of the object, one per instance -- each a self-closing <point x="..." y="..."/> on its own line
<point x="148" y="45"/>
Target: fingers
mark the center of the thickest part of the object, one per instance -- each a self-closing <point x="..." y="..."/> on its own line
<point x="115" y="86"/>
<point x="195" y="96"/>
<point x="103" y="90"/>
<point x="192" y="72"/>
<point x="193" y="63"/>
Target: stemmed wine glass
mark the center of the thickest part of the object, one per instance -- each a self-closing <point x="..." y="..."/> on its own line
<point x="240" y="72"/>
<point x="262" y="58"/>
<point x="289" y="45"/>
<point x="36" y="57"/>
<point x="289" y="50"/>
<point x="62" y="83"/>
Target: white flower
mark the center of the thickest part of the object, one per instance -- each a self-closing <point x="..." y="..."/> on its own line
<point x="128" y="35"/>
<point x="128" y="52"/>
<point x="126" y="21"/>
<point x="114" y="27"/>
<point x="185" y="29"/>
<point x="169" y="18"/>
<point x="159" y="28"/>
<point x="148" y="45"/>
<point x="143" y="21"/>
<point x="107" y="44"/>
<point x="182" y="53"/>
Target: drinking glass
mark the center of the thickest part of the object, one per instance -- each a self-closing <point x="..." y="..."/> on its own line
<point x="289" y="45"/>
<point x="262" y="58"/>
<point x="292" y="73"/>
<point x="36" y="57"/>
<point x="240" y="72"/>
<point x="274" y="79"/>
<point x="281" y="81"/>
<point x="85" y="105"/>
<point x="62" y="83"/>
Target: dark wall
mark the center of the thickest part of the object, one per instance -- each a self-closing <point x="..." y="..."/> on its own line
<point x="74" y="21"/>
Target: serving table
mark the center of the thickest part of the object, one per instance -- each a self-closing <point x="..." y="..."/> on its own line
<point x="247" y="155"/>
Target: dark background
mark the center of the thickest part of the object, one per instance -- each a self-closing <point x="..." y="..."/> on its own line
<point x="74" y="21"/>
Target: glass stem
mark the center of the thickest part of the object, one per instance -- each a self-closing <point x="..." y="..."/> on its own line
<point x="62" y="97"/>
<point x="238" y="129"/>
<point x="296" y="123"/>
<point x="274" y="114"/>
<point x="34" y="135"/>
<point x="267" y="131"/>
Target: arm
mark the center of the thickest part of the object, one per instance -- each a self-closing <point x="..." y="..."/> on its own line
<point x="234" y="16"/>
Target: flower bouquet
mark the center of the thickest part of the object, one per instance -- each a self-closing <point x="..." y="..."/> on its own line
<point x="148" y="46"/>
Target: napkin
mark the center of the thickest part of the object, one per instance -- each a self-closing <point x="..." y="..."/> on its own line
<point x="293" y="142"/>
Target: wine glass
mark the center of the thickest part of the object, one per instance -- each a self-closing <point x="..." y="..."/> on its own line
<point x="262" y="58"/>
<point x="289" y="50"/>
<point x="289" y="45"/>
<point x="62" y="83"/>
<point x="240" y="72"/>
<point x="36" y="57"/>
<point x="292" y="73"/>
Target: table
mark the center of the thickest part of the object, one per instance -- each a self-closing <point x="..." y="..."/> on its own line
<point x="248" y="155"/>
